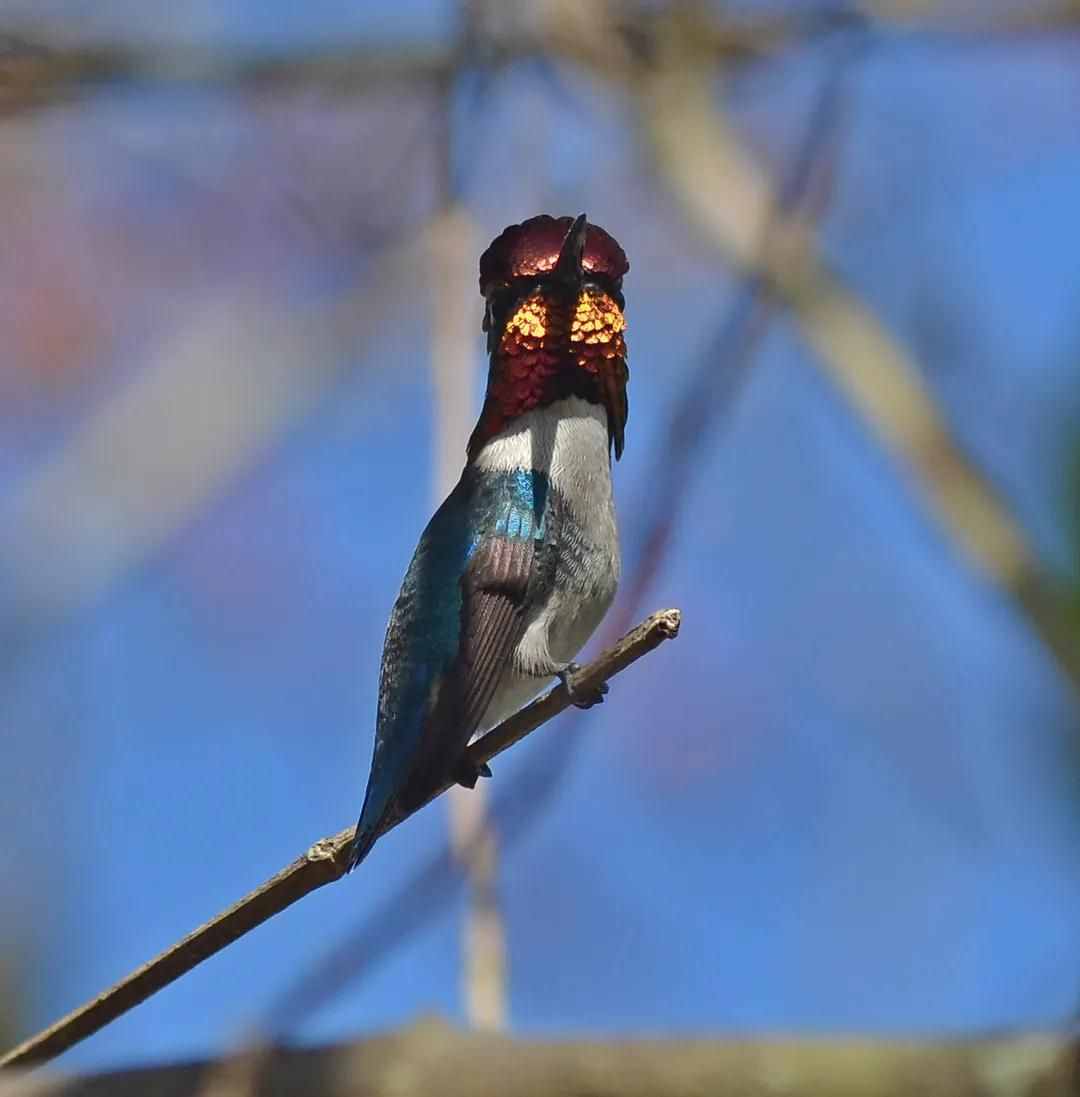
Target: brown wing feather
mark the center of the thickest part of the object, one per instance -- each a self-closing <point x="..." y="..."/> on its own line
<point x="494" y="589"/>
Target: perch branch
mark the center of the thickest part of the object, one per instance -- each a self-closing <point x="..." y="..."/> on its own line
<point x="325" y="862"/>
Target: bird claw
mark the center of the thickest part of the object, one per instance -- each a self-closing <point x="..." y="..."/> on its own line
<point x="468" y="773"/>
<point x="578" y="698"/>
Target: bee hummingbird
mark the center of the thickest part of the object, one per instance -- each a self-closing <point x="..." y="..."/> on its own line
<point x="520" y="563"/>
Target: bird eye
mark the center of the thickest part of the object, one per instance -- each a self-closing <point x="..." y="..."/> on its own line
<point x="497" y="297"/>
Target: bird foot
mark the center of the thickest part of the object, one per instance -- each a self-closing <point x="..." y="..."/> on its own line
<point x="581" y="698"/>
<point x="468" y="773"/>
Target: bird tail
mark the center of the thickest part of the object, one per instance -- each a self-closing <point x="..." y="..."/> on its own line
<point x="368" y="827"/>
<point x="362" y="842"/>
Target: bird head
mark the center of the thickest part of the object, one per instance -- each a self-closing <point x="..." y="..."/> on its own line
<point x="554" y="322"/>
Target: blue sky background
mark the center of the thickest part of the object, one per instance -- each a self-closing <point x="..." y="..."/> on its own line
<point x="845" y="799"/>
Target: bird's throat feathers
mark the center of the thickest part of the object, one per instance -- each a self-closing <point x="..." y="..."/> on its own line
<point x="551" y="347"/>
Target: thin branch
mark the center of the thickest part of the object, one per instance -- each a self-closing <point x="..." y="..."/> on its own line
<point x="422" y="897"/>
<point x="431" y="1057"/>
<point x="325" y="862"/>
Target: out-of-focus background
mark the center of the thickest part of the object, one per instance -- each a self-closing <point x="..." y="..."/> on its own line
<point x="241" y="357"/>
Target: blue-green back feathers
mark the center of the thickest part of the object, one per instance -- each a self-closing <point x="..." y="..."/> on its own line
<point x="430" y="642"/>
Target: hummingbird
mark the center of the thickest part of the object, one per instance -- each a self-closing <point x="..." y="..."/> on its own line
<point x="521" y="561"/>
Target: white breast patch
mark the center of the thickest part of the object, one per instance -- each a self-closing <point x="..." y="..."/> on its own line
<point x="568" y="440"/>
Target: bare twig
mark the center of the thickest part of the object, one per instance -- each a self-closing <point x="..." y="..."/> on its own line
<point x="325" y="862"/>
<point x="430" y="1057"/>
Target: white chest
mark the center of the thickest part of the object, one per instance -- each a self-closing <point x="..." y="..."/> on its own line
<point x="568" y="441"/>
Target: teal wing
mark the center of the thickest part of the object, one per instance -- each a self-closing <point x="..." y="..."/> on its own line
<point x="462" y="609"/>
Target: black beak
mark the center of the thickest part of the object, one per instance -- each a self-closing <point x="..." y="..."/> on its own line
<point x="567" y="271"/>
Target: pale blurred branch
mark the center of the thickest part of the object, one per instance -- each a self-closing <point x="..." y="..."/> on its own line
<point x="430" y="1057"/>
<point x="711" y="393"/>
<point x="325" y="862"/>
<point x="473" y="838"/>
<point x="729" y="199"/>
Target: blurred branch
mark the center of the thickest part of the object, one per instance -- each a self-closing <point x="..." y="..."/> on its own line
<point x="36" y="72"/>
<point x="431" y="1057"/>
<point x="730" y="201"/>
<point x="323" y="863"/>
<point x="34" y="75"/>
<point x="967" y="18"/>
<point x="472" y="837"/>
<point x="710" y="392"/>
